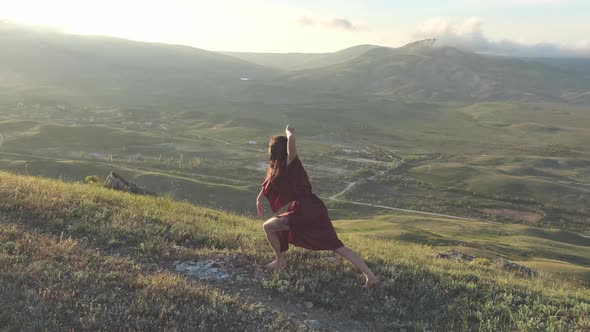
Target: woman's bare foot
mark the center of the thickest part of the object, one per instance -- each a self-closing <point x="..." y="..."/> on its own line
<point x="372" y="282"/>
<point x="276" y="265"/>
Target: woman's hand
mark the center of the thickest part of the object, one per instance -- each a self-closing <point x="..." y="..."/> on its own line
<point x="260" y="208"/>
<point x="289" y="130"/>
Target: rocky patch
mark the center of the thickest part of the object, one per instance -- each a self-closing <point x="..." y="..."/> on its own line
<point x="517" y="268"/>
<point x="455" y="255"/>
<point x="204" y="270"/>
<point x="504" y="263"/>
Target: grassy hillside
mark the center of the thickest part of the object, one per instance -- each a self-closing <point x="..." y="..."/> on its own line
<point x="485" y="182"/>
<point x="76" y="256"/>
<point x="565" y="254"/>
<point x="576" y="64"/>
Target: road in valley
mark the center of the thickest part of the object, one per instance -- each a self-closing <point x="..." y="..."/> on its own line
<point x="352" y="184"/>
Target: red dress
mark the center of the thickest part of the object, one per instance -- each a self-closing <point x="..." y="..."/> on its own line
<point x="309" y="224"/>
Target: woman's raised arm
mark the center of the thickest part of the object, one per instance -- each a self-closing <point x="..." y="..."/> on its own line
<point x="291" y="148"/>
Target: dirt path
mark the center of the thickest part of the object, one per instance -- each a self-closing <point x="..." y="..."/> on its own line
<point x="410" y="211"/>
<point x="350" y="185"/>
<point x="376" y="175"/>
<point x="245" y="281"/>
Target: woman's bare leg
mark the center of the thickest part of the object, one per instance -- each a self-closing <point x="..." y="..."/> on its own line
<point x="271" y="227"/>
<point x="359" y="263"/>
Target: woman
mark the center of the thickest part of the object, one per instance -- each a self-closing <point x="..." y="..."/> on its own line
<point x="306" y="223"/>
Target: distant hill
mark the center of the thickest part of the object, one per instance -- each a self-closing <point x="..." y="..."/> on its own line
<point x="42" y="66"/>
<point x="34" y="62"/>
<point x="423" y="71"/>
<point x="300" y="61"/>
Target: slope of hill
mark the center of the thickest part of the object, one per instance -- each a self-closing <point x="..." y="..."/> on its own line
<point x="61" y="65"/>
<point x="580" y="65"/>
<point x="423" y="71"/>
<point x="562" y="253"/>
<point x="300" y="61"/>
<point x="76" y="256"/>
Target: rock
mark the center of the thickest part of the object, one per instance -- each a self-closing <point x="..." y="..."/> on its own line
<point x="203" y="270"/>
<point x="313" y="324"/>
<point x="308" y="305"/>
<point x="117" y="182"/>
<point x="471" y="278"/>
<point x="101" y="297"/>
<point x="506" y="264"/>
<point x="517" y="268"/>
<point x="455" y="255"/>
<point x="396" y="324"/>
<point x="333" y="259"/>
<point x="304" y="314"/>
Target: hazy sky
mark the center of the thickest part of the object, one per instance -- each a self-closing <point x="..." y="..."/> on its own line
<point x="535" y="27"/>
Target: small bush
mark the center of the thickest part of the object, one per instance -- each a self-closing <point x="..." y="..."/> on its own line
<point x="92" y="179"/>
<point x="9" y="247"/>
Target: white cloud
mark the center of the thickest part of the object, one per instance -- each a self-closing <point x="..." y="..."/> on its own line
<point x="305" y="21"/>
<point x="469" y="35"/>
<point x="331" y="23"/>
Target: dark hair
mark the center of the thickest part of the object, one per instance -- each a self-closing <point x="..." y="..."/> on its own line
<point x="277" y="154"/>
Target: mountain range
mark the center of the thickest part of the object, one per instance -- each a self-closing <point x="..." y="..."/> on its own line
<point x="49" y="65"/>
<point x="424" y="71"/>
